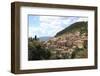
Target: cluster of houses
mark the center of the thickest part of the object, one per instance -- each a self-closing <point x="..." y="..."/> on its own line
<point x="65" y="44"/>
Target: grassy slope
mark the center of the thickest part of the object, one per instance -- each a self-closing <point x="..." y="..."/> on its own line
<point x="78" y="26"/>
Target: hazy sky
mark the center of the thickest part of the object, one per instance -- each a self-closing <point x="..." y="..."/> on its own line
<point x="50" y="25"/>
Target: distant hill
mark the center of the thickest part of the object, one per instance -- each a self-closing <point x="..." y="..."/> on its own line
<point x="78" y="26"/>
<point x="45" y="38"/>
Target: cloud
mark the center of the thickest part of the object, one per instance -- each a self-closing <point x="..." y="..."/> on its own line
<point x="50" y="25"/>
<point x="82" y="19"/>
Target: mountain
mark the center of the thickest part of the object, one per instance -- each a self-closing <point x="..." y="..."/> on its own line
<point x="78" y="26"/>
<point x="45" y="38"/>
<point x="70" y="43"/>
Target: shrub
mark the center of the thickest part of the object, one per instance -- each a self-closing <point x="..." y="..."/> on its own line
<point x="36" y="51"/>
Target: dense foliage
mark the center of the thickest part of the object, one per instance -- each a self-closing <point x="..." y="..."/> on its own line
<point x="36" y="50"/>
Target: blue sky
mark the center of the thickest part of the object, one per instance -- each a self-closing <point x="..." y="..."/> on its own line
<point x="50" y="25"/>
<point x="34" y="21"/>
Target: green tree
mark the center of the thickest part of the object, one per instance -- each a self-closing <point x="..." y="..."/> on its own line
<point x="36" y="51"/>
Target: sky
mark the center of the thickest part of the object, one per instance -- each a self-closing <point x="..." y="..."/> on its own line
<point x="48" y="26"/>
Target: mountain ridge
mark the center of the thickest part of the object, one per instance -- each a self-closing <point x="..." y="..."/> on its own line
<point x="78" y="26"/>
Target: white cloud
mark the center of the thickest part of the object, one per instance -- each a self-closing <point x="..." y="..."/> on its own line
<point x="82" y="19"/>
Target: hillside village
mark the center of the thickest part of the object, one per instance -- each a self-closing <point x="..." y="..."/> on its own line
<point x="64" y="46"/>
